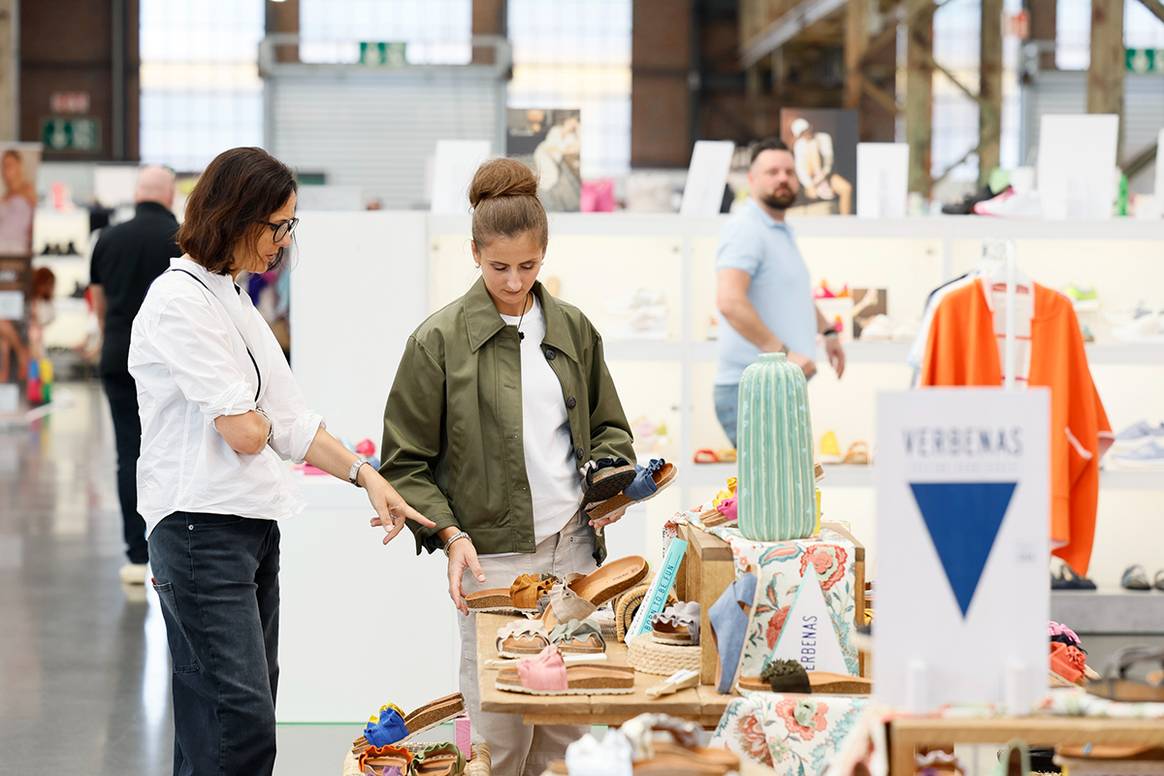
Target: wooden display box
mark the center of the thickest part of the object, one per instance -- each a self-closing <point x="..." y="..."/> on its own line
<point x="707" y="570"/>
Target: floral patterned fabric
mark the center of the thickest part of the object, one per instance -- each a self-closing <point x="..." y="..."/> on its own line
<point x="794" y="734"/>
<point x="780" y="567"/>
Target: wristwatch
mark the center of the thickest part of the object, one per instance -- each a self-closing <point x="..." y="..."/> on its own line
<point x="829" y="332"/>
<point x="355" y="470"/>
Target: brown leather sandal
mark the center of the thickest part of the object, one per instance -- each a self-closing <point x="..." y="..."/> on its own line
<point x="521" y="597"/>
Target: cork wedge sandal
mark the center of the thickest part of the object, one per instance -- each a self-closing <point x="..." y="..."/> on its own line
<point x="548" y="675"/>
<point x="650" y="482"/>
<point x="819" y="683"/>
<point x="603" y="584"/>
<point x="521" y="597"/>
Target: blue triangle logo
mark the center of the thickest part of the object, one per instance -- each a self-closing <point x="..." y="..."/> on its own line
<point x="963" y="519"/>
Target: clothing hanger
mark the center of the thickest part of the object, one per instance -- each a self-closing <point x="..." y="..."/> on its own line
<point x="994" y="264"/>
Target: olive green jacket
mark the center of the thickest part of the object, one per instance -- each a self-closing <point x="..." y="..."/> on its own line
<point x="453" y="422"/>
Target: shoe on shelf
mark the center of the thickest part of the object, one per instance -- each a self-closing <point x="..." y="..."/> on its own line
<point x="966" y="206"/>
<point x="1084" y="298"/>
<point x="1011" y="204"/>
<point x="1139" y="433"/>
<point x="1067" y="579"/>
<point x="1135" y="578"/>
<point x="830" y="448"/>
<point x="1143" y="328"/>
<point x="133" y="573"/>
<point x="1149" y="455"/>
<point x="823" y="291"/>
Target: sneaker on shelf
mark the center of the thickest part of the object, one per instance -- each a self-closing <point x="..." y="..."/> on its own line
<point x="1138" y="434"/>
<point x="878" y="328"/>
<point x="1084" y="298"/>
<point x="966" y="206"/>
<point x="133" y="573"/>
<point x="1149" y="455"/>
<point x="1146" y="328"/>
<point x="1010" y="204"/>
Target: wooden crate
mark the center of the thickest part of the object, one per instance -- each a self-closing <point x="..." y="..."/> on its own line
<point x="706" y="571"/>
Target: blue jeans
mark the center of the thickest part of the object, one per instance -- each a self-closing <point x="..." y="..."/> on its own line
<point x="217" y="577"/>
<point x="727" y="406"/>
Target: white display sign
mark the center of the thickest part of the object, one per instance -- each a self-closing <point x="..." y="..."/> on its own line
<point x="455" y="163"/>
<point x="11" y="306"/>
<point x="114" y="185"/>
<point x="1077" y="165"/>
<point x="963" y="520"/>
<point x="882" y="179"/>
<point x="706" y="177"/>
<point x="808" y="635"/>
<point x="329" y="197"/>
<point x="1159" y="204"/>
<point x="9" y="403"/>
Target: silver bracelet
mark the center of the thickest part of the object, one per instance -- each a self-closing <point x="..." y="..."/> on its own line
<point x="270" y="425"/>
<point x="453" y="538"/>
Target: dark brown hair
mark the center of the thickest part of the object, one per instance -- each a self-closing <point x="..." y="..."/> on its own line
<point x="767" y="144"/>
<point x="233" y="200"/>
<point x="504" y="196"/>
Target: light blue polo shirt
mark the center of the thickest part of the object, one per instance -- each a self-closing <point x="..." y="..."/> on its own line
<point x="781" y="289"/>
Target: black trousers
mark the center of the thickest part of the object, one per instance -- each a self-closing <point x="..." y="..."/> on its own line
<point x="217" y="578"/>
<point x="122" y="394"/>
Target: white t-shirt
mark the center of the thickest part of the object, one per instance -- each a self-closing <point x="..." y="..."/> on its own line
<point x="555" y="483"/>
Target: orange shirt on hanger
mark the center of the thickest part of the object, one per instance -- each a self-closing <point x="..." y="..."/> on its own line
<point x="962" y="351"/>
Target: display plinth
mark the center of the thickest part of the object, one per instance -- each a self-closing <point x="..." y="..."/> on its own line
<point x="708" y="568"/>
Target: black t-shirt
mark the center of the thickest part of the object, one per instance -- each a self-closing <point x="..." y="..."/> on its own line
<point x="126" y="260"/>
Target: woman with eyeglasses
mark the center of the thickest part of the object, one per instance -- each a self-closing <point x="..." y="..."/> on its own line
<point x="220" y="411"/>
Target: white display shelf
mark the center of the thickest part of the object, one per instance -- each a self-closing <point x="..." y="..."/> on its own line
<point x="920" y="228"/>
<point x="704" y="476"/>
<point x="860" y="352"/>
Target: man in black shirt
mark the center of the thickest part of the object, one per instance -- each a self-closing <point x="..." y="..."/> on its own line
<point x="126" y="260"/>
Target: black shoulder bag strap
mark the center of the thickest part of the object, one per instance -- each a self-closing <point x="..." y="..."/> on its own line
<point x="254" y="363"/>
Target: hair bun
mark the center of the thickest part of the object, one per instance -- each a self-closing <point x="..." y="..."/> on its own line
<point x="502" y="178"/>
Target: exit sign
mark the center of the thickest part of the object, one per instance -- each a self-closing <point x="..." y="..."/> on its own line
<point x="1144" y="60"/>
<point x="73" y="134"/>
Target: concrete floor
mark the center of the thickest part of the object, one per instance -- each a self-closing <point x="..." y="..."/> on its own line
<point x="84" y="666"/>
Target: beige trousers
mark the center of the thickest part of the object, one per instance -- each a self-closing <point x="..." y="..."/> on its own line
<point x="518" y="749"/>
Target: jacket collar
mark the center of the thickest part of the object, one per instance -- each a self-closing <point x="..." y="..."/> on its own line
<point x="155" y="208"/>
<point x="484" y="322"/>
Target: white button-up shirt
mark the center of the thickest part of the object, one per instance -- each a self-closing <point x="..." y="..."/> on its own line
<point x="189" y="356"/>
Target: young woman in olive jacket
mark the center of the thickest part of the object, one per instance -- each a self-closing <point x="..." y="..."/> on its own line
<point x="501" y="401"/>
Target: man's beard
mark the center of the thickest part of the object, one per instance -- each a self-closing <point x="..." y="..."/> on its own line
<point x="780" y="200"/>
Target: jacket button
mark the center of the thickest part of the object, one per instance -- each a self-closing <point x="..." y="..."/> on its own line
<point x="550" y="354"/>
<point x="571" y="403"/>
<point x="578" y="453"/>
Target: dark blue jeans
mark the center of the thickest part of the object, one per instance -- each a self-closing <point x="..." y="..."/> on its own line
<point x="727" y="406"/>
<point x="122" y="394"/>
<point x="217" y="577"/>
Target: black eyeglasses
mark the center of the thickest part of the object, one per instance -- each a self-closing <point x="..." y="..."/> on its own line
<point x="283" y="228"/>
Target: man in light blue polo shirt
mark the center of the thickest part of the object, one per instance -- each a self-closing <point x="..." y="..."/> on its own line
<point x="764" y="293"/>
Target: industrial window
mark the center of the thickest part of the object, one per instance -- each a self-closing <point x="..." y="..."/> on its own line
<point x="200" y="86"/>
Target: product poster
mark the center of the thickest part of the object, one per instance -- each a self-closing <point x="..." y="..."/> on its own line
<point x="963" y="524"/>
<point x="824" y="143"/>
<point x="18" y="168"/>
<point x="550" y="142"/>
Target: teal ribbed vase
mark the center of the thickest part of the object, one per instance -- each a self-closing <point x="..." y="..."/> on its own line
<point x="776" y="488"/>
